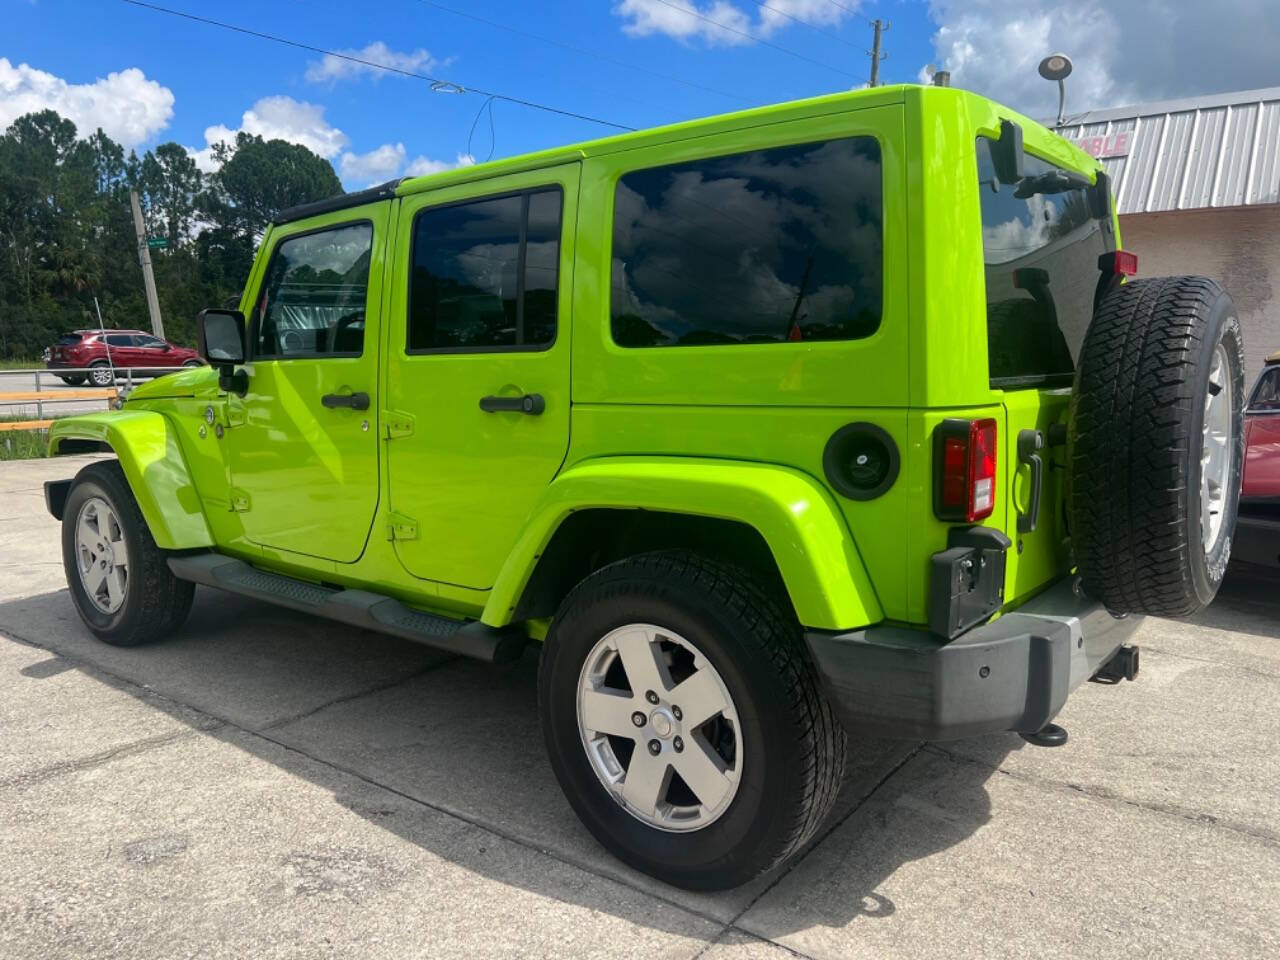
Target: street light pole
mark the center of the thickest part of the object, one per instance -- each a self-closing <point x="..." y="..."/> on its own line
<point x="144" y="258"/>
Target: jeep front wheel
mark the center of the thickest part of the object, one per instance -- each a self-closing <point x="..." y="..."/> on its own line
<point x="684" y="720"/>
<point x="117" y="576"/>
<point x="1156" y="443"/>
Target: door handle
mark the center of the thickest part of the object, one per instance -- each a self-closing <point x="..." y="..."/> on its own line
<point x="530" y="403"/>
<point x="354" y="401"/>
<point x="1030" y="442"/>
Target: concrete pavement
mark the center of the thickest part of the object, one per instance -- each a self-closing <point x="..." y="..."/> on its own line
<point x="267" y="784"/>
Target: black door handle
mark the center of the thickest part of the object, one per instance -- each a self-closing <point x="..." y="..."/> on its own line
<point x="355" y="401"/>
<point x="1030" y="442"/>
<point x="530" y="403"/>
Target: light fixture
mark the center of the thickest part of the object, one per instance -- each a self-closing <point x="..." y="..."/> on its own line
<point x="1057" y="66"/>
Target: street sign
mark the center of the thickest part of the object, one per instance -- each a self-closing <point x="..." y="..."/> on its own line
<point x="157" y="243"/>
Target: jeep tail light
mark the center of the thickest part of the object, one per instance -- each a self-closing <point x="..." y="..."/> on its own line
<point x="1119" y="263"/>
<point x="964" y="462"/>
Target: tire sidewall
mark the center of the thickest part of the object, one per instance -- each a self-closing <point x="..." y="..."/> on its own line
<point x="109" y="624"/>
<point x="756" y="809"/>
<point x="1207" y="570"/>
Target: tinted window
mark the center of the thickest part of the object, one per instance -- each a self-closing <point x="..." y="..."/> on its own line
<point x="67" y="339"/>
<point x="121" y="339"/>
<point x="760" y="247"/>
<point x="1266" y="395"/>
<point x="1041" y="245"/>
<point x="313" y="297"/>
<point x="484" y="274"/>
<point x="153" y="342"/>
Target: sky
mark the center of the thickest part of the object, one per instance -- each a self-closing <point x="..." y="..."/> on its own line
<point x="147" y="77"/>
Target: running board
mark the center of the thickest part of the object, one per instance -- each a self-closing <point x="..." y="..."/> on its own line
<point x="360" y="608"/>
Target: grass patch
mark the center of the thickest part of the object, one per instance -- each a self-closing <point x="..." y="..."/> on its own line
<point x="12" y="364"/>
<point x="23" y="445"/>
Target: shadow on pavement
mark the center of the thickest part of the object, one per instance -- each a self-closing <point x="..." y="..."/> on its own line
<point x="460" y="737"/>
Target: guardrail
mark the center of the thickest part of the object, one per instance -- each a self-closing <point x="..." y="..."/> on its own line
<point x="47" y="393"/>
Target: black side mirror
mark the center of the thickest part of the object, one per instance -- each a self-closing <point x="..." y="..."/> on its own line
<point x="220" y="337"/>
<point x="1006" y="153"/>
<point x="1100" y="197"/>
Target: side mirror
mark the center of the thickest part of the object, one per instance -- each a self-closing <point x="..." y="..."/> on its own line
<point x="220" y="336"/>
<point x="1006" y="153"/>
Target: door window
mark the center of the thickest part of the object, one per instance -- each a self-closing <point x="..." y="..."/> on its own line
<point x="776" y="245"/>
<point x="151" y="343"/>
<point x="485" y="273"/>
<point x="118" y="340"/>
<point x="312" y="302"/>
<point x="1266" y="395"/>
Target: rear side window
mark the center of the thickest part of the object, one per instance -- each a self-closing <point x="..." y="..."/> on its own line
<point x="70" y="339"/>
<point x="313" y="297"/>
<point x="484" y="274"/>
<point x="1040" y="243"/>
<point x="769" y="246"/>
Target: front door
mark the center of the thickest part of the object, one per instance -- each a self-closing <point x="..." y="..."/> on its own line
<point x="304" y="441"/>
<point x="477" y="385"/>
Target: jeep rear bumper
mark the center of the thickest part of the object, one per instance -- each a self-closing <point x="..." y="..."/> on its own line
<point x="1012" y="674"/>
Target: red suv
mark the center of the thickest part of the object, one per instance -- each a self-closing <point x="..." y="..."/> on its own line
<point x="127" y="348"/>
<point x="1258" y="526"/>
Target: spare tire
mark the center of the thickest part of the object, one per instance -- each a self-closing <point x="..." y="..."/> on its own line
<point x="1155" y="445"/>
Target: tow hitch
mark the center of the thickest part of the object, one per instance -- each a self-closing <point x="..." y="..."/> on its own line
<point x="1123" y="665"/>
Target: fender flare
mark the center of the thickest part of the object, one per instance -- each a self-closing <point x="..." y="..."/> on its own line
<point x="146" y="444"/>
<point x="804" y="530"/>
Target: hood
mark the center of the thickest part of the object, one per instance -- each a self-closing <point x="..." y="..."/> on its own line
<point x="184" y="382"/>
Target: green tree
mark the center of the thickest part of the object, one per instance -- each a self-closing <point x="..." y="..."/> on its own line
<point x="259" y="178"/>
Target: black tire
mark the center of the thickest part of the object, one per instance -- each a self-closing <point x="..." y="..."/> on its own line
<point x="101" y="375"/>
<point x="73" y="381"/>
<point x="156" y="602"/>
<point x="1135" y="442"/>
<point x="794" y="748"/>
<point x="192" y="363"/>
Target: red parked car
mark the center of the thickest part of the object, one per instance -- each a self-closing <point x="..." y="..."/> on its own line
<point x="127" y="348"/>
<point x="1258" y="527"/>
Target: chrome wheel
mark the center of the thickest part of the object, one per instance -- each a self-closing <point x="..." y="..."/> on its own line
<point x="101" y="555"/>
<point x="659" y="727"/>
<point x="102" y="376"/>
<point x="1216" y="455"/>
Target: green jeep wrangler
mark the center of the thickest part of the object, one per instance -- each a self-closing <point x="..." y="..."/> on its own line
<point x="830" y="418"/>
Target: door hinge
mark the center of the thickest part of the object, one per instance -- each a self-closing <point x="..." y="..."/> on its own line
<point x="239" y="501"/>
<point x="396" y="425"/>
<point x="400" y="527"/>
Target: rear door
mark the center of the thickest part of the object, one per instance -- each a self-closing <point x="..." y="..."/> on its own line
<point x="477" y="382"/>
<point x="304" y="440"/>
<point x="1041" y="245"/>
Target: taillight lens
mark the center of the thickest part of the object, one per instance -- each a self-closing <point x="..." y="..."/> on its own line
<point x="1120" y="263"/>
<point x="965" y="469"/>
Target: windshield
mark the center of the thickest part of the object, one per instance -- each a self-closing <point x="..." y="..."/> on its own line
<point x="1041" y="243"/>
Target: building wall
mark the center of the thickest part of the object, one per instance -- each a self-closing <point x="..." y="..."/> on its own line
<point x="1239" y="247"/>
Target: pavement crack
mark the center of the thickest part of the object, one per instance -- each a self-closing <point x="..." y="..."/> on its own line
<point x="378" y="687"/>
<point x="32" y="777"/>
<point x="1106" y="795"/>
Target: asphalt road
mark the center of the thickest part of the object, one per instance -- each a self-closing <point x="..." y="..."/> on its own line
<point x="271" y="785"/>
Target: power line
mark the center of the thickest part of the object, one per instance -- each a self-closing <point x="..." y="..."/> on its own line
<point x="456" y="87"/>
<point x="805" y="23"/>
<point x="855" y="12"/>
<point x="579" y="50"/>
<point x="750" y="36"/>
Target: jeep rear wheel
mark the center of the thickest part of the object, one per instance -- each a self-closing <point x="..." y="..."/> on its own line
<point x="1156" y="444"/>
<point x="117" y="576"/>
<point x="685" y="722"/>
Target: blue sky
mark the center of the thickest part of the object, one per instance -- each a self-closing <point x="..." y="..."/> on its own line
<point x="184" y="81"/>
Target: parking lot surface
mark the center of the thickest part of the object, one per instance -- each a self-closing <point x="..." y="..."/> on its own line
<point x="267" y="784"/>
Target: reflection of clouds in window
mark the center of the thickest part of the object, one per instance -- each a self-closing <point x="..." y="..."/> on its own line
<point x="1026" y="231"/>
<point x="733" y="248"/>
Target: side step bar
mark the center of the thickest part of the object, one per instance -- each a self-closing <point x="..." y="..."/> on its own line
<point x="359" y="608"/>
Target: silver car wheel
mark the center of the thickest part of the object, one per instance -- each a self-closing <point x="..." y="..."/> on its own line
<point x="1216" y="455"/>
<point x="102" y="558"/>
<point x="659" y="728"/>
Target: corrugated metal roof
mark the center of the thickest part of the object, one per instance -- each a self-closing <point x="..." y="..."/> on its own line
<point x="1214" y="151"/>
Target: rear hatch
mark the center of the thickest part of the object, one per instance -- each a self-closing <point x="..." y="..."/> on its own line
<point x="1042" y="239"/>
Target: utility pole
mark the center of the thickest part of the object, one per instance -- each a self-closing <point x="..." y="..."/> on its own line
<point x="876" y="55"/>
<point x="144" y="258"/>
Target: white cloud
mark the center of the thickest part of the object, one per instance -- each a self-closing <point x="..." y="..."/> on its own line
<point x="390" y="161"/>
<point x="277" y="118"/>
<point x="130" y="108"/>
<point x="1123" y="53"/>
<point x="688" y="20"/>
<point x="330" y="69"/>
